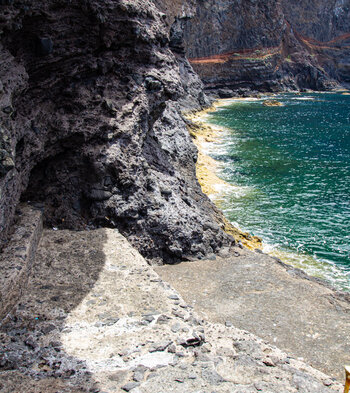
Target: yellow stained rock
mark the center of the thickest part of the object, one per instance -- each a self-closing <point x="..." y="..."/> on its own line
<point x="206" y="168"/>
<point x="272" y="103"/>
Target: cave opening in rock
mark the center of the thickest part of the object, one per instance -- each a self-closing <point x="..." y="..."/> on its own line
<point x="60" y="185"/>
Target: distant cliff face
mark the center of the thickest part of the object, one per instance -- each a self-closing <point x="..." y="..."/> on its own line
<point x="323" y="28"/>
<point x="91" y="95"/>
<point x="322" y="20"/>
<point x="268" y="45"/>
<point x="225" y="26"/>
<point x="174" y="9"/>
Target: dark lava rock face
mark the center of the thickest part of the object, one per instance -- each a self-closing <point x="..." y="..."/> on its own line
<point x="269" y="45"/>
<point x="91" y="95"/>
<point x="90" y="125"/>
<point x="323" y="27"/>
<point x="322" y="20"/>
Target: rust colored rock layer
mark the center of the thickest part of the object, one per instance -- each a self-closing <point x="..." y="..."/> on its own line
<point x="270" y="45"/>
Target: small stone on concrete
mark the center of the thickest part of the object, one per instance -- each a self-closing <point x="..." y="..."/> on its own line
<point x="268" y="362"/>
<point x="162" y="319"/>
<point x="175" y="328"/>
<point x="138" y="376"/>
<point x="172" y="348"/>
<point x="328" y="382"/>
<point x="148" y="318"/>
<point x="129" y="386"/>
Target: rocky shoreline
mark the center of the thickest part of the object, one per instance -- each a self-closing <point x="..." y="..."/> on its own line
<point x="96" y="317"/>
<point x="203" y="133"/>
<point x="209" y="304"/>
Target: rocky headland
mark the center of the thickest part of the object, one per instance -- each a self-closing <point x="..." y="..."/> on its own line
<point x="95" y="148"/>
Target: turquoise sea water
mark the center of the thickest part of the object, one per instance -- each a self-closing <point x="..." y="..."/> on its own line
<point x="292" y="164"/>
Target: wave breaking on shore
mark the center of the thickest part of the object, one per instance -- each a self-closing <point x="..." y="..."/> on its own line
<point x="209" y="139"/>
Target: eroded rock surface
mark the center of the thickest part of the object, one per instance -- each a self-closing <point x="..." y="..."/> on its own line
<point x="90" y="100"/>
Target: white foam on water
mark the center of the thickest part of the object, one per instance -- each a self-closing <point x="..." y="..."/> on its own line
<point x="230" y="101"/>
<point x="219" y="148"/>
<point x="236" y="225"/>
<point x="303" y="98"/>
<point x="327" y="271"/>
<point x="215" y="148"/>
<point x="312" y="265"/>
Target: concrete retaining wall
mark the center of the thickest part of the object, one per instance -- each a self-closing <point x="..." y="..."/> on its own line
<point x="17" y="257"/>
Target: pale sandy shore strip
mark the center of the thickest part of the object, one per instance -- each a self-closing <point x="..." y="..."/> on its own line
<point x="206" y="167"/>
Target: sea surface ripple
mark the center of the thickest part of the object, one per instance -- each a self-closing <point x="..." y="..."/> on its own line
<point x="293" y="161"/>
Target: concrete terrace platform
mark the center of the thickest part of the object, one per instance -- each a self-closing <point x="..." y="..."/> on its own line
<point x="97" y="318"/>
<point x="278" y="303"/>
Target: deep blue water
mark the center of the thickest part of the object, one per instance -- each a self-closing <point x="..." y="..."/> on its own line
<point x="293" y="166"/>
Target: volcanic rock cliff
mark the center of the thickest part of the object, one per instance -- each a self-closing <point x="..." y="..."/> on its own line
<point x="270" y="45"/>
<point x="323" y="28"/>
<point x="91" y="95"/>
